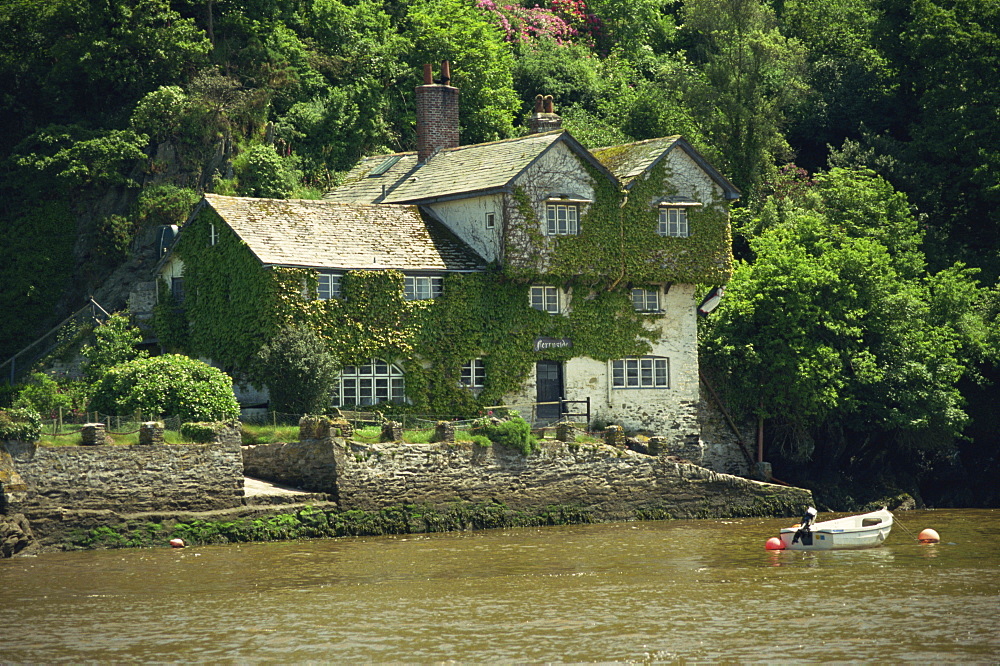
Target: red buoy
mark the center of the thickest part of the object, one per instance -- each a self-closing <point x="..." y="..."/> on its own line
<point x="928" y="536"/>
<point x="774" y="543"/>
<point x="177" y="543"/>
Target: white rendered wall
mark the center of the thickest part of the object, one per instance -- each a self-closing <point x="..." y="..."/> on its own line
<point x="467" y="219"/>
<point x="668" y="412"/>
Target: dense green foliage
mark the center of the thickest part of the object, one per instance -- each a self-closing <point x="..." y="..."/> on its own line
<point x="168" y="385"/>
<point x="115" y="343"/>
<point x="20" y="423"/>
<point x="513" y="433"/>
<point x="298" y="370"/>
<point x="116" y="114"/>
<point x="840" y="340"/>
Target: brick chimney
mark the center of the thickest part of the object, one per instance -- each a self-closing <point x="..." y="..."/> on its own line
<point x="544" y="118"/>
<point x="437" y="114"/>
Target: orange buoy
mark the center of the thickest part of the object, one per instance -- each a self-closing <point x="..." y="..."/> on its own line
<point x="928" y="536"/>
<point x="774" y="543"/>
<point x="177" y="543"/>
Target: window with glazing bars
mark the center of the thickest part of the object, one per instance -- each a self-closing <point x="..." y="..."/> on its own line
<point x="562" y="219"/>
<point x="328" y="286"/>
<point x="643" y="372"/>
<point x="370" y="384"/>
<point x="473" y="373"/>
<point x="673" y="222"/>
<point x="421" y="287"/>
<point x="646" y="300"/>
<point x="545" y="299"/>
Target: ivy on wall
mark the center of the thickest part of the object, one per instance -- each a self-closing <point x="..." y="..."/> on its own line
<point x="617" y="242"/>
<point x="234" y="304"/>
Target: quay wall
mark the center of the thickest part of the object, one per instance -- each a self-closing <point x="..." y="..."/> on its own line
<point x="608" y="482"/>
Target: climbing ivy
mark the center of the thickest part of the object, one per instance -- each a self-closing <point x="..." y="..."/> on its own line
<point x="235" y="305"/>
<point x="617" y="244"/>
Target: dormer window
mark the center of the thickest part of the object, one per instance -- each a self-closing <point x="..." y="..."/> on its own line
<point x="562" y="219"/>
<point x="674" y="216"/>
<point x="673" y="222"/>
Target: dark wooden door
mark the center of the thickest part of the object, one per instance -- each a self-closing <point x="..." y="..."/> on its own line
<point x="549" y="388"/>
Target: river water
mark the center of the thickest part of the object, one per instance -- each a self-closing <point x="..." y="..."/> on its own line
<point x="626" y="592"/>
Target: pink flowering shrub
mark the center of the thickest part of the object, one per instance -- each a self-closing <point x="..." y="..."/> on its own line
<point x="566" y="21"/>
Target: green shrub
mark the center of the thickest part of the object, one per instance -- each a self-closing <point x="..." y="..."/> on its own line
<point x="43" y="394"/>
<point x="167" y="385"/>
<point x="261" y="172"/>
<point x="514" y="433"/>
<point x="20" y="423"/>
<point x="201" y="432"/>
<point x="299" y="370"/>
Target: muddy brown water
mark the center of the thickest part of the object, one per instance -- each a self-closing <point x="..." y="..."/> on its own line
<point x="625" y="592"/>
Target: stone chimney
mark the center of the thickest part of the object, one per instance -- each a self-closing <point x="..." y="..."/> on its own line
<point x="544" y="118"/>
<point x="437" y="114"/>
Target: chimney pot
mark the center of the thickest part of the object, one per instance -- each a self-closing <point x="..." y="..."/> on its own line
<point x="549" y="104"/>
<point x="539" y="104"/>
<point x="437" y="114"/>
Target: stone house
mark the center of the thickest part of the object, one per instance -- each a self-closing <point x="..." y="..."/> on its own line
<point x="601" y="249"/>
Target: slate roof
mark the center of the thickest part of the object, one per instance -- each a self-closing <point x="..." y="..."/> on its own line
<point x="630" y="160"/>
<point x="327" y="234"/>
<point x="452" y="173"/>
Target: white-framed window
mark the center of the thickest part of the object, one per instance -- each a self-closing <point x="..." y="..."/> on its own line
<point x="646" y="300"/>
<point x="328" y="286"/>
<point x="422" y="287"/>
<point x="491" y="220"/>
<point x="673" y="222"/>
<point x="370" y="384"/>
<point x="473" y="373"/>
<point x="545" y="299"/>
<point x="641" y="372"/>
<point x="213" y="235"/>
<point x="562" y="219"/>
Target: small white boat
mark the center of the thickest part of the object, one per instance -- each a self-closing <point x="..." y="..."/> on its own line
<point x="862" y="531"/>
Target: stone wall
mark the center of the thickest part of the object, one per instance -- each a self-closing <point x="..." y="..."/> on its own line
<point x="611" y="483"/>
<point x="190" y="477"/>
<point x="721" y="449"/>
<point x="309" y="464"/>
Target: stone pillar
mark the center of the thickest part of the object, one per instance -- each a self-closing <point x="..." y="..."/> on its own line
<point x="566" y="432"/>
<point x="392" y="431"/>
<point x="150" y="433"/>
<point x="93" y="434"/>
<point x="614" y="435"/>
<point x="444" y="431"/>
<point x="657" y="446"/>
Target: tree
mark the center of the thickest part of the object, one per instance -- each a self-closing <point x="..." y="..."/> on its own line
<point x="168" y="385"/>
<point x="752" y="76"/>
<point x="481" y="64"/>
<point x="838" y="338"/>
<point x="115" y="343"/>
<point x="299" y="371"/>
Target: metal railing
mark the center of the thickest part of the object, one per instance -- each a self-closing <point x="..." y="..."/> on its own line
<point x="21" y="361"/>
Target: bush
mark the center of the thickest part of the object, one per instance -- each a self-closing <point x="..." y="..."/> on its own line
<point x="514" y="433"/>
<point x="261" y="172"/>
<point x="299" y="371"/>
<point x="43" y="394"/>
<point x="167" y="385"/>
<point x="20" y="423"/>
<point x="202" y="433"/>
